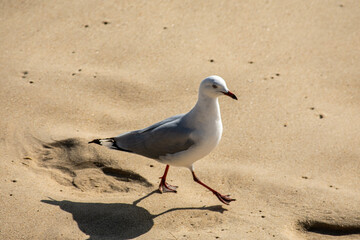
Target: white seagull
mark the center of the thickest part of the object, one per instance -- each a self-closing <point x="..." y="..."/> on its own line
<point x="182" y="139"/>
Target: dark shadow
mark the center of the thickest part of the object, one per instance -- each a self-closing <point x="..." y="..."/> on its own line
<point x="108" y="220"/>
<point x="116" y="220"/>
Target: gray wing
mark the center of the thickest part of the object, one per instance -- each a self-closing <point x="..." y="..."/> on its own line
<point x="166" y="137"/>
<point x="155" y="125"/>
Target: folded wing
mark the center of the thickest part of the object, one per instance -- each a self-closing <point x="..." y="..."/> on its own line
<point x="166" y="137"/>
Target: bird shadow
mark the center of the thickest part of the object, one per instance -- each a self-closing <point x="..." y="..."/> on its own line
<point x="117" y="220"/>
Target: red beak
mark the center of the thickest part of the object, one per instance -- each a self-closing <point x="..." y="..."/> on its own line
<point x="230" y="94"/>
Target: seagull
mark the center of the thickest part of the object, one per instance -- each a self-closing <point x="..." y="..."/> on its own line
<point x="182" y="139"/>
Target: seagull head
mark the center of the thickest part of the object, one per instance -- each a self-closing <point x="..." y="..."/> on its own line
<point x="215" y="86"/>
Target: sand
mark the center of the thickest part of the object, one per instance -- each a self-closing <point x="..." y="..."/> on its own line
<point x="72" y="71"/>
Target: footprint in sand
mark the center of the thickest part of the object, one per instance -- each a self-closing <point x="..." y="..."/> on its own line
<point x="329" y="229"/>
<point x="72" y="162"/>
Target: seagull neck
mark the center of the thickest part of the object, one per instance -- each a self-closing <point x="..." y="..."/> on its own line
<point x="206" y="108"/>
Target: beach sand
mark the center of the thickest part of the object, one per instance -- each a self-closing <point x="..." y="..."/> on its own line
<point x="72" y="71"/>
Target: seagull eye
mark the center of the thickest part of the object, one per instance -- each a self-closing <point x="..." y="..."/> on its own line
<point x="214" y="86"/>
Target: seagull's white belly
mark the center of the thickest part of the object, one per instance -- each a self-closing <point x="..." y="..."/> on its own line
<point x="206" y="140"/>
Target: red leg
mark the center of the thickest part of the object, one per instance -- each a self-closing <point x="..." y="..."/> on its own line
<point x="164" y="186"/>
<point x="223" y="198"/>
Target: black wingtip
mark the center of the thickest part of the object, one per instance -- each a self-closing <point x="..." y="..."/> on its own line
<point x="97" y="141"/>
<point x="113" y="146"/>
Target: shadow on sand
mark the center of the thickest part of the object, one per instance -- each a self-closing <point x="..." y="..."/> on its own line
<point x="116" y="220"/>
